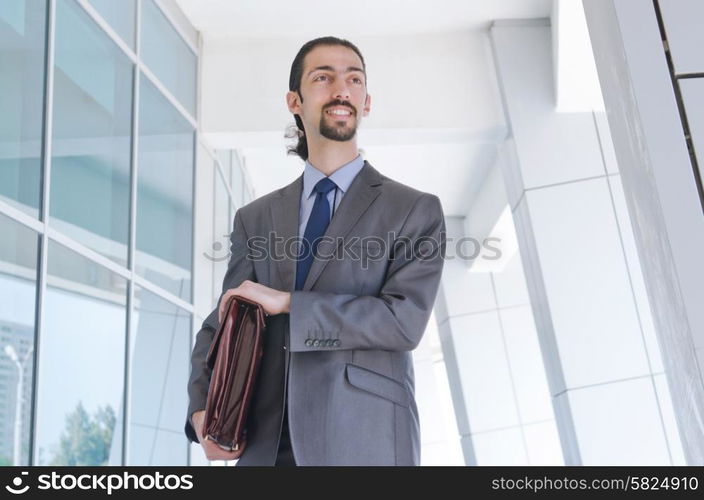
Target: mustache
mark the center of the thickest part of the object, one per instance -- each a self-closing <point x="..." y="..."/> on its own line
<point x="341" y="103"/>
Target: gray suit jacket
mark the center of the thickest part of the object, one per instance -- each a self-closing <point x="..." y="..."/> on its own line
<point x="350" y="331"/>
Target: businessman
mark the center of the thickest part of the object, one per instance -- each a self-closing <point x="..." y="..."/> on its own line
<point x="346" y="304"/>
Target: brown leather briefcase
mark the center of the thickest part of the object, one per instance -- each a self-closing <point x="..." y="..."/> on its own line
<point x="234" y="357"/>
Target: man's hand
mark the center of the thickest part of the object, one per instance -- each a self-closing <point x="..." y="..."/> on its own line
<point x="272" y="301"/>
<point x="212" y="450"/>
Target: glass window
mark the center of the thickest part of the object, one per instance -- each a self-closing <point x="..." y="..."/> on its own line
<point x="165" y="193"/>
<point x="92" y="124"/>
<point x="168" y="56"/>
<point x="221" y="230"/>
<point x="160" y="355"/>
<point x="18" y="279"/>
<point x="120" y="16"/>
<point x="83" y="349"/>
<point x="22" y="41"/>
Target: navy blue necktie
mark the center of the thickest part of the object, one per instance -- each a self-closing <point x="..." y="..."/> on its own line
<point x="315" y="228"/>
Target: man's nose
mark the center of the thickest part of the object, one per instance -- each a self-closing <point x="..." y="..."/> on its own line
<point x="341" y="91"/>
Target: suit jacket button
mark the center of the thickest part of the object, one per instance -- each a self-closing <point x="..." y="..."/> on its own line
<point x="336" y="343"/>
<point x="309" y="342"/>
<point x="316" y="343"/>
<point x="329" y="342"/>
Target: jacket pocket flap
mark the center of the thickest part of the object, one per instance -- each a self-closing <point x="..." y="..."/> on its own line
<point x="377" y="384"/>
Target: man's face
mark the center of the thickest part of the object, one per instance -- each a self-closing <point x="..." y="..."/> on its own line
<point x="334" y="92"/>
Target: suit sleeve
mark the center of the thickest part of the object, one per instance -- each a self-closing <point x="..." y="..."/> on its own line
<point x="396" y="319"/>
<point x="239" y="269"/>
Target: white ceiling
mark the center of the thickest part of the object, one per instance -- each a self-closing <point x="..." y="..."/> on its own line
<point x="262" y="36"/>
<point x="294" y="18"/>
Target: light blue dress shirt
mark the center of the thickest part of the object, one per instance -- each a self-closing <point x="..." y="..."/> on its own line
<point x="342" y="177"/>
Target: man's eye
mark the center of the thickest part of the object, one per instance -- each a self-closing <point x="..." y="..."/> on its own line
<point x="358" y="80"/>
<point x="320" y="76"/>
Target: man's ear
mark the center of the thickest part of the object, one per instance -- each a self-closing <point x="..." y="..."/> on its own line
<point x="293" y="103"/>
<point x="367" y="105"/>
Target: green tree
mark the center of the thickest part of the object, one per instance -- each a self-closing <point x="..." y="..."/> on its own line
<point x="86" y="440"/>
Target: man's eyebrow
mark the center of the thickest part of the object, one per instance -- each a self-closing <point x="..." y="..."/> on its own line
<point x="330" y="68"/>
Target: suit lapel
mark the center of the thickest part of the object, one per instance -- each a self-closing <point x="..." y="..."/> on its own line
<point x="285" y="213"/>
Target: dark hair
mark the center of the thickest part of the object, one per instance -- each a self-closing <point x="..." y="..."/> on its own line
<point x="294" y="85"/>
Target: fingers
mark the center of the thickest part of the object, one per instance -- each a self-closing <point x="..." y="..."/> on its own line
<point x="223" y="300"/>
<point x="214" y="452"/>
<point x="197" y="422"/>
<point x="223" y="304"/>
<point x="253" y="291"/>
<point x="226" y="298"/>
<point x="239" y="452"/>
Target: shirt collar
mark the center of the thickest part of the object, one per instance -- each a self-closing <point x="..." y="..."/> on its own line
<point x="342" y="177"/>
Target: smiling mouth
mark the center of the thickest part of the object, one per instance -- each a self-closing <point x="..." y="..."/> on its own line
<point x="338" y="113"/>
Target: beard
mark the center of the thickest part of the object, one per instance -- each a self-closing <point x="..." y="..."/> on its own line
<point x="337" y="130"/>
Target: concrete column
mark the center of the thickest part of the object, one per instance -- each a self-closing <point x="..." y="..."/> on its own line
<point x="648" y="56"/>
<point x="491" y="351"/>
<point x="440" y="443"/>
<point x="600" y="351"/>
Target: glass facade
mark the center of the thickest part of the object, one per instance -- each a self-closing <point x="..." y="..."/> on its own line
<point x="19" y="248"/>
<point x="92" y="125"/>
<point x="22" y="59"/>
<point x="168" y="55"/>
<point x="159" y="350"/>
<point x="120" y="16"/>
<point x="165" y="193"/>
<point x="83" y="425"/>
<point x="97" y="248"/>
